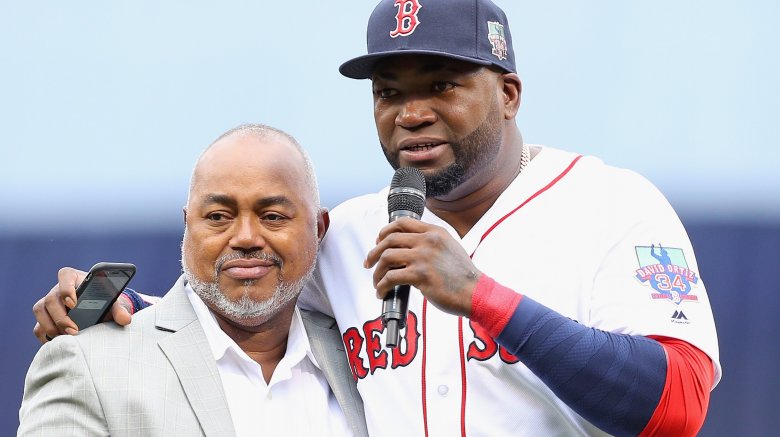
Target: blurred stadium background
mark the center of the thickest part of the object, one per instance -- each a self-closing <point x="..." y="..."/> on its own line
<point x="104" y="106"/>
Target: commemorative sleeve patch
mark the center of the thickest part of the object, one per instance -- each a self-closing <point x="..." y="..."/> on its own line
<point x="666" y="271"/>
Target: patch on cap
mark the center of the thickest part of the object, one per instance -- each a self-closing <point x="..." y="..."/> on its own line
<point x="406" y="19"/>
<point x="497" y="39"/>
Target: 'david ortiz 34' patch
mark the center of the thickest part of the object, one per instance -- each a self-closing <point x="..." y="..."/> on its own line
<point x="666" y="271"/>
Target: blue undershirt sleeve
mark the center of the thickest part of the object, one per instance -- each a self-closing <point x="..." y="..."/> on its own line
<point x="135" y="299"/>
<point x="614" y="381"/>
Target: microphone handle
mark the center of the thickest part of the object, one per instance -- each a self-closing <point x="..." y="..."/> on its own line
<point x="394" y="309"/>
<point x="396" y="304"/>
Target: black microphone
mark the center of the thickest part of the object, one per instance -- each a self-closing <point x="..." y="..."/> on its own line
<point x="406" y="199"/>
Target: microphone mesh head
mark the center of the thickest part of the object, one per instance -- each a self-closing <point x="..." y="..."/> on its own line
<point x="407" y="177"/>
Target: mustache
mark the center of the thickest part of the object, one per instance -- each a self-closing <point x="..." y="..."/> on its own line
<point x="267" y="257"/>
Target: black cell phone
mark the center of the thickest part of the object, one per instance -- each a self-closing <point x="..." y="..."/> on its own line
<point x="100" y="289"/>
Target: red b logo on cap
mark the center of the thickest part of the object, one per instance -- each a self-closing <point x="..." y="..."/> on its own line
<point x="406" y="18"/>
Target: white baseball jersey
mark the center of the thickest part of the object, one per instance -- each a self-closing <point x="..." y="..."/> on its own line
<point x="597" y="244"/>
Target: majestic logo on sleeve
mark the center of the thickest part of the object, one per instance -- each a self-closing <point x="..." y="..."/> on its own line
<point x="406" y="18"/>
<point x="667" y="272"/>
<point x="497" y="39"/>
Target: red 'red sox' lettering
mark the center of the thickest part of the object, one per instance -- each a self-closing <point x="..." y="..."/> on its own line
<point x="368" y="341"/>
<point x="377" y="355"/>
<point x="408" y="345"/>
<point x="406" y="18"/>
<point x="354" y="343"/>
<point x="489" y="346"/>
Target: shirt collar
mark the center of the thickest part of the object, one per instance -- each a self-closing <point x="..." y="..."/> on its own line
<point x="298" y="345"/>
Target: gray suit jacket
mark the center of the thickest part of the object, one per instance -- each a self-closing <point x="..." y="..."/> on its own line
<point x="155" y="377"/>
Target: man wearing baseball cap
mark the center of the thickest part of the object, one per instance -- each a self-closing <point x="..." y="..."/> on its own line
<point x="542" y="308"/>
<point x="540" y="305"/>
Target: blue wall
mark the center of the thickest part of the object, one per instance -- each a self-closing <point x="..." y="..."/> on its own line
<point x="738" y="263"/>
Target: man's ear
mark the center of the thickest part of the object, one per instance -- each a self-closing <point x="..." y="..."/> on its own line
<point x="511" y="88"/>
<point x="323" y="223"/>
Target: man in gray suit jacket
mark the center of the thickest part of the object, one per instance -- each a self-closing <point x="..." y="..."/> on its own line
<point x="228" y="330"/>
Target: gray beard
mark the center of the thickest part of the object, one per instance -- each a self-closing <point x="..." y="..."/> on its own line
<point x="245" y="311"/>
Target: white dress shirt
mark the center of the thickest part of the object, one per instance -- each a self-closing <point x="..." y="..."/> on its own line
<point x="296" y="402"/>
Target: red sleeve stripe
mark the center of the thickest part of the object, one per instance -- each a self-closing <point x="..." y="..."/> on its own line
<point x="129" y="301"/>
<point x="493" y="305"/>
<point x="686" y="395"/>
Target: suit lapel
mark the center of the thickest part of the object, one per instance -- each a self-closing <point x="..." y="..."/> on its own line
<point x="188" y="351"/>
<point x="328" y="349"/>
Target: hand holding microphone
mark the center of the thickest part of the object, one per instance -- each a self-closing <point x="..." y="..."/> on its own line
<point x="405" y="199"/>
<point x="412" y="252"/>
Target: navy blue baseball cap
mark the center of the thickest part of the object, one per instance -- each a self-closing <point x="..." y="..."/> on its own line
<point x="469" y="30"/>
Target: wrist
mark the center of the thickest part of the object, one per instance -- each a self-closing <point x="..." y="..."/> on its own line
<point x="128" y="303"/>
<point x="492" y="305"/>
<point x="136" y="302"/>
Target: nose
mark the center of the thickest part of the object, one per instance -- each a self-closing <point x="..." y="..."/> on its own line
<point x="415" y="112"/>
<point x="247" y="234"/>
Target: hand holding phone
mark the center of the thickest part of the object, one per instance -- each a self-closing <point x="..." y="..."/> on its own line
<point x="100" y="289"/>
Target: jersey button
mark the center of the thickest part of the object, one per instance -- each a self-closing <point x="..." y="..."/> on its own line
<point x="443" y="390"/>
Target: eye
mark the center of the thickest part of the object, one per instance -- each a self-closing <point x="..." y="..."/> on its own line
<point x="217" y="217"/>
<point x="385" y="93"/>
<point x="273" y="217"/>
<point x="442" y="86"/>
